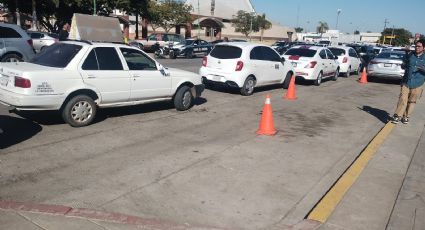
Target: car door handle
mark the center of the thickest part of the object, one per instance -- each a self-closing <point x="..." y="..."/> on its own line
<point x="136" y="76"/>
<point x="91" y="76"/>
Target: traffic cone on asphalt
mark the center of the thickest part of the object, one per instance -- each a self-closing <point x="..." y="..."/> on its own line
<point x="363" y="79"/>
<point x="291" y="92"/>
<point x="266" y="123"/>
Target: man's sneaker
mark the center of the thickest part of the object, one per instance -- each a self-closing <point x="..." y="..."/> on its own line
<point x="405" y="120"/>
<point x="395" y="119"/>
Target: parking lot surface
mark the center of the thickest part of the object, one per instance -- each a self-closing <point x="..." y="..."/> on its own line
<point x="204" y="166"/>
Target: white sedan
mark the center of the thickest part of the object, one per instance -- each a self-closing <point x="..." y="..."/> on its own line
<point x="78" y="77"/>
<point x="349" y="60"/>
<point x="313" y="63"/>
<point x="245" y="66"/>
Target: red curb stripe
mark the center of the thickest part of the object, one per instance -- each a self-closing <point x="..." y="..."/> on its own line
<point x="31" y="207"/>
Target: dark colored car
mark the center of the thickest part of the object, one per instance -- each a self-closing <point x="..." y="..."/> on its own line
<point x="366" y="52"/>
<point x="192" y="47"/>
<point x="280" y="46"/>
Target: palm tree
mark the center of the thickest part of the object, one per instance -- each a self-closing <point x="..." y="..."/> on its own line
<point x="263" y="24"/>
<point x="323" y="26"/>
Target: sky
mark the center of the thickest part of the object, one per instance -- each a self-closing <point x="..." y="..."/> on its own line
<point x="362" y="15"/>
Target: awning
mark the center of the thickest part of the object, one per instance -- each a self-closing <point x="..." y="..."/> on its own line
<point x="209" y="22"/>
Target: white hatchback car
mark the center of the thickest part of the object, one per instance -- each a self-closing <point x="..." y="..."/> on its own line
<point x="78" y="77"/>
<point x="313" y="63"/>
<point x="348" y="60"/>
<point x="245" y="65"/>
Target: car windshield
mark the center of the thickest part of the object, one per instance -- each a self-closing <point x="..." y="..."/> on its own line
<point x="57" y="55"/>
<point x="391" y="55"/>
<point x="301" y="52"/>
<point x="226" y="52"/>
<point x="338" y="52"/>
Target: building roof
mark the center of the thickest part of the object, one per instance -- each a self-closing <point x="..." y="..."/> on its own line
<point x="220" y="8"/>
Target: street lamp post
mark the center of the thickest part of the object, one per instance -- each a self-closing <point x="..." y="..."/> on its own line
<point x="337" y="17"/>
<point x="94" y="7"/>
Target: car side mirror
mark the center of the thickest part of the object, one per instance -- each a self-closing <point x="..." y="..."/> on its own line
<point x="335" y="57"/>
<point x="282" y="59"/>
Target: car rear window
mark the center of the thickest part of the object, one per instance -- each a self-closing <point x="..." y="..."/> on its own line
<point x="301" y="52"/>
<point x="390" y="55"/>
<point x="57" y="55"/>
<point x="226" y="52"/>
<point x="337" y="52"/>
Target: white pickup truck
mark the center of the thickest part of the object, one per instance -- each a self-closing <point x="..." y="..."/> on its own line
<point x="77" y="77"/>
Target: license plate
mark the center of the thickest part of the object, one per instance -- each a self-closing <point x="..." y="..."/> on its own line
<point x="387" y="65"/>
<point x="294" y="64"/>
<point x="4" y="81"/>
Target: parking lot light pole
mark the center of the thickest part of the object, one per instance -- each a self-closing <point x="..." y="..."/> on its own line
<point x="94" y="7"/>
<point x="337" y="17"/>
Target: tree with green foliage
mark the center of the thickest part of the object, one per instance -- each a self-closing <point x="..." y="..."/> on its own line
<point x="245" y="23"/>
<point x="299" y="29"/>
<point x="263" y="24"/>
<point x="168" y="14"/>
<point x="402" y="36"/>
<point x="322" y="27"/>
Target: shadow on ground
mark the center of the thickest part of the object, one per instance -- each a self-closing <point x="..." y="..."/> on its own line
<point x="382" y="115"/>
<point x="14" y="130"/>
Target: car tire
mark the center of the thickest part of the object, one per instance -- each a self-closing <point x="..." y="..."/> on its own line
<point x="183" y="99"/>
<point x="319" y="79"/>
<point x="248" y="86"/>
<point x="287" y="80"/>
<point x="335" y="77"/>
<point x="189" y="54"/>
<point x="79" y="111"/>
<point x="348" y="73"/>
<point x="11" y="58"/>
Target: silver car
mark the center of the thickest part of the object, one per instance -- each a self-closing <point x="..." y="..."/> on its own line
<point x="387" y="65"/>
<point x="41" y="40"/>
<point x="15" y="44"/>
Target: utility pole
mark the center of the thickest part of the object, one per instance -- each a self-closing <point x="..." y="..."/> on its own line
<point x="337" y="17"/>
<point x="383" y="32"/>
<point x="392" y="35"/>
<point x="94" y="7"/>
<point x="199" y="23"/>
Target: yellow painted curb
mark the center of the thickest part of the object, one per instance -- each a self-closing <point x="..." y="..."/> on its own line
<point x="327" y="204"/>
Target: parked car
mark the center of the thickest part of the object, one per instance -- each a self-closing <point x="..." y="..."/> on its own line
<point x="387" y="65"/>
<point x="245" y="66"/>
<point x="313" y="63"/>
<point x="348" y="60"/>
<point x="41" y="40"/>
<point x="77" y="78"/>
<point x="15" y="44"/>
<point x="189" y="49"/>
<point x="280" y="46"/>
<point x="324" y="43"/>
<point x="162" y="39"/>
<point x="366" y="52"/>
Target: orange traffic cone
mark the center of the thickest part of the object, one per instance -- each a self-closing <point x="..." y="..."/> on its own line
<point x="266" y="123"/>
<point x="291" y="93"/>
<point x="363" y="79"/>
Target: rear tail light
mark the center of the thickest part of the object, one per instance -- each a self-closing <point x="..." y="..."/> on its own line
<point x="239" y="66"/>
<point x="294" y="57"/>
<point x="22" y="82"/>
<point x="311" y="64"/>
<point x="30" y="42"/>
<point x="345" y="60"/>
<point x="204" y="61"/>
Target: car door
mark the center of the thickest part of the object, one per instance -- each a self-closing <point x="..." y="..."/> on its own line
<point x="147" y="81"/>
<point x="323" y="62"/>
<point x="354" y="59"/>
<point x="332" y="62"/>
<point x="259" y="67"/>
<point x="102" y="69"/>
<point x="274" y="64"/>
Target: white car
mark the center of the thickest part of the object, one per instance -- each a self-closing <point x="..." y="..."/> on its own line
<point x="245" y="65"/>
<point x="78" y="77"/>
<point x="15" y="44"/>
<point x="348" y="60"/>
<point x="313" y="63"/>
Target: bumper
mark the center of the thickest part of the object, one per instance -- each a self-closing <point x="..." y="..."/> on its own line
<point x="306" y="74"/>
<point x="385" y="74"/>
<point x="234" y="79"/>
<point x="25" y="102"/>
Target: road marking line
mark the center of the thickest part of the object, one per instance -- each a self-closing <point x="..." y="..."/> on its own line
<point x="327" y="204"/>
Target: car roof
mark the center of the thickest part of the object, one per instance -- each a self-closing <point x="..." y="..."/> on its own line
<point x="311" y="47"/>
<point x="340" y="47"/>
<point x="96" y="44"/>
<point x="241" y="45"/>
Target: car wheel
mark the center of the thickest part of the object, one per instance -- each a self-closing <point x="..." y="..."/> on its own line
<point x="348" y="73"/>
<point x="189" y="54"/>
<point x="287" y="80"/>
<point x="318" y="81"/>
<point x="248" y="86"/>
<point x="335" y="77"/>
<point x="79" y="111"/>
<point x="11" y="58"/>
<point x="183" y="98"/>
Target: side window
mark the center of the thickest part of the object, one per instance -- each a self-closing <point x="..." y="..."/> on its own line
<point x="322" y="54"/>
<point x="6" y="32"/>
<point x="269" y="54"/>
<point x="152" y="37"/>
<point x="108" y="58"/>
<point x="330" y="54"/>
<point x="352" y="53"/>
<point x="256" y="54"/>
<point x="36" y="35"/>
<point x="203" y="43"/>
<point x="165" y="38"/>
<point x="91" y="62"/>
<point x="137" y="60"/>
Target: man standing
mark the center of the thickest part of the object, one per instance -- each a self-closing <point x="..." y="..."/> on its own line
<point x="64" y="33"/>
<point x="411" y="84"/>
